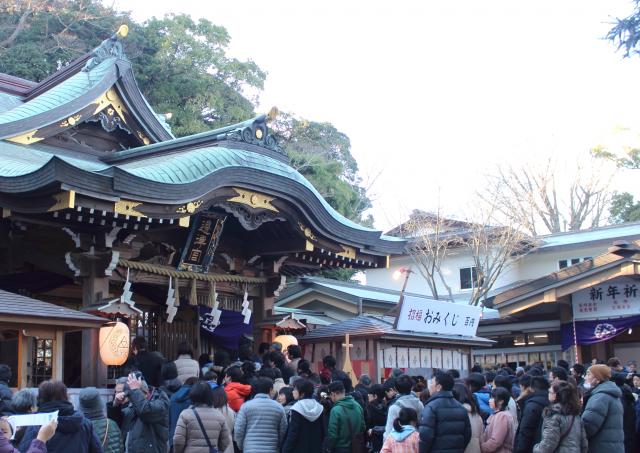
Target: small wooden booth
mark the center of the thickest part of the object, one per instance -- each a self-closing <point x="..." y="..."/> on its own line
<point x="376" y="347"/>
<point x="37" y="338"/>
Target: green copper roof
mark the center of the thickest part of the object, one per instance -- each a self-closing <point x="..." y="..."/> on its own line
<point x="192" y="165"/>
<point x="8" y="102"/>
<point x="59" y="95"/>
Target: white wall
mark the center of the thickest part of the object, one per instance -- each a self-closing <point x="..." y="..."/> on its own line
<point x="530" y="266"/>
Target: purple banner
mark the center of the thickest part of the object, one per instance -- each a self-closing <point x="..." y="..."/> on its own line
<point x="230" y="330"/>
<point x="591" y="332"/>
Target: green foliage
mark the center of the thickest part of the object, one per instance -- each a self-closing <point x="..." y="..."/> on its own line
<point x="322" y="154"/>
<point x="630" y="159"/>
<point x="182" y="66"/>
<point x="623" y="208"/>
<point x="626" y="32"/>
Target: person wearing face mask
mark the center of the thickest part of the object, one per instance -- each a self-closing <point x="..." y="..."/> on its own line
<point x="562" y="429"/>
<point x="603" y="414"/>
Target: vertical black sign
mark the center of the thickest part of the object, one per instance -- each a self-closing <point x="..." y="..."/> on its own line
<point x="202" y="242"/>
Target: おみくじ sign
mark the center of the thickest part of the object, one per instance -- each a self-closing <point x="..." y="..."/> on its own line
<point x="434" y="316"/>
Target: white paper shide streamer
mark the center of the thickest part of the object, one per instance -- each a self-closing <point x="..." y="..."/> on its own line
<point x="246" y="311"/>
<point x="171" y="308"/>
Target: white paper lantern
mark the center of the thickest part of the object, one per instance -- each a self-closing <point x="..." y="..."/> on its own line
<point x="285" y="341"/>
<point x="114" y="343"/>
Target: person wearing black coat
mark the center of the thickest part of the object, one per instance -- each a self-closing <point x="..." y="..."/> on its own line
<point x="529" y="430"/>
<point x="629" y="410"/>
<point x="444" y="424"/>
<point x="306" y="430"/>
<point x="148" y="363"/>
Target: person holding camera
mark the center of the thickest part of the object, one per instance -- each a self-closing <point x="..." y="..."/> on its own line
<point x="145" y="415"/>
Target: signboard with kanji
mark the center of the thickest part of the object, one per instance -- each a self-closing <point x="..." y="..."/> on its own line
<point x="611" y="299"/>
<point x="434" y="316"/>
<point x="202" y="242"/>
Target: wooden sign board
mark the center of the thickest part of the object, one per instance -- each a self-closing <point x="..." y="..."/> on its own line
<point x="202" y="242"/>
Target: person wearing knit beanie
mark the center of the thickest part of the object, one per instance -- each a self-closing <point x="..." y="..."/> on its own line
<point x="600" y="372"/>
<point x="91" y="403"/>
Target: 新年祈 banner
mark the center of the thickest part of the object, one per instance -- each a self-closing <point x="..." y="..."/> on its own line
<point x="596" y="331"/>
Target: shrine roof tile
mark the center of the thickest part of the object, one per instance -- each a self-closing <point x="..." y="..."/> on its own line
<point x="22" y="306"/>
<point x="66" y="92"/>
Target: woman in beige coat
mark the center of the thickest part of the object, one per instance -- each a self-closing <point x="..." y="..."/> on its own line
<point x="201" y="426"/>
<point x="463" y="394"/>
<point x="220" y="404"/>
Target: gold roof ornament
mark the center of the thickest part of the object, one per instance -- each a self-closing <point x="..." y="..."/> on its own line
<point x="273" y="113"/>
<point x="123" y="31"/>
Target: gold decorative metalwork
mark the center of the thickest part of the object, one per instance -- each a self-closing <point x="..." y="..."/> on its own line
<point x="308" y="246"/>
<point x="190" y="207"/>
<point x="26" y="139"/>
<point x="258" y="134"/>
<point x="255" y="200"/>
<point x="64" y="200"/>
<point x="348" y="252"/>
<point x="110" y="99"/>
<point x="184" y="221"/>
<point x="307" y="231"/>
<point x="6" y="213"/>
<point x="143" y="138"/>
<point x="71" y="121"/>
<point x="127" y="207"/>
<point x="273" y="113"/>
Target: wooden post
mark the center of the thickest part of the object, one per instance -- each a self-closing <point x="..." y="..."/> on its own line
<point x="347" y="367"/>
<point x="58" y="355"/>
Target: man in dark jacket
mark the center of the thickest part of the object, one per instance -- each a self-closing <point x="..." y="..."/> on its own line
<point x="444" y="425"/>
<point x="529" y="430"/>
<point x="603" y="414"/>
<point x="148" y="363"/>
<point x="629" y="412"/>
<point x="145" y="415"/>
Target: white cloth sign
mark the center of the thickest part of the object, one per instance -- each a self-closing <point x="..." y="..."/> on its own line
<point x="436" y="358"/>
<point x="611" y="299"/>
<point x="403" y="357"/>
<point x="390" y="358"/>
<point x="414" y="358"/>
<point x="447" y="359"/>
<point x="425" y="358"/>
<point x="434" y="316"/>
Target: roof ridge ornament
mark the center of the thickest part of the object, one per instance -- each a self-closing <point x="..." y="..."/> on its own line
<point x="110" y="47"/>
<point x="256" y="132"/>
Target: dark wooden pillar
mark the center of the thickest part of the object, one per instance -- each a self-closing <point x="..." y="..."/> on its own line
<point x="94" y="372"/>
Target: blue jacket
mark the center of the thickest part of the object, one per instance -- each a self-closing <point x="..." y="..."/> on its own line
<point x="482" y="398"/>
<point x="179" y="402"/>
<point x="74" y="435"/>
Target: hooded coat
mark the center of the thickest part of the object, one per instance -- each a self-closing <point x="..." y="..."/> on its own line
<point x="405" y="441"/>
<point x="237" y="393"/>
<point x="529" y="429"/>
<point x="189" y="438"/>
<point x="409" y="401"/>
<point x="306" y="431"/>
<point x="74" y="433"/>
<point x="444" y="425"/>
<point x="603" y="418"/>
<point x="187" y="367"/>
<point x="560" y="435"/>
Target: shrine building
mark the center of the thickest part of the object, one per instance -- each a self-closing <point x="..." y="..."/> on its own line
<point x="105" y="211"/>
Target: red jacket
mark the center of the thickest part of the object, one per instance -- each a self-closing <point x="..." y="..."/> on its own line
<point x="236" y="394"/>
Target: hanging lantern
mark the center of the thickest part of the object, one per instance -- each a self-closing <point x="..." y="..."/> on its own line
<point x="114" y="343"/>
<point x="285" y="341"/>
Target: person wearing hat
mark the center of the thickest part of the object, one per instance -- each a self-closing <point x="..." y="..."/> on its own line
<point x="603" y="413"/>
<point x="93" y="407"/>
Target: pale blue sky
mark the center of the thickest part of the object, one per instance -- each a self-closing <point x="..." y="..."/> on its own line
<point x="434" y="93"/>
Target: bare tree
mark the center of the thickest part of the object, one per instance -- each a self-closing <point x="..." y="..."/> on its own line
<point x="494" y="248"/>
<point x="532" y="196"/>
<point x="433" y="238"/>
<point x="430" y="236"/>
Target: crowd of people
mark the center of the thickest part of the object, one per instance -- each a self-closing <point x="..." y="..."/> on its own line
<point x="272" y="402"/>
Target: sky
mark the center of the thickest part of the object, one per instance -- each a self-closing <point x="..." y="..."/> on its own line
<point x="434" y="94"/>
